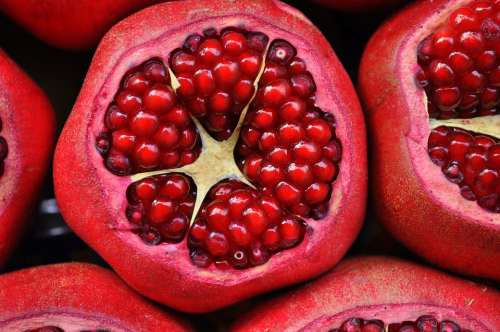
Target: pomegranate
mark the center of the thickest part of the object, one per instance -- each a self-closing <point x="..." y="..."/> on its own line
<point x="358" y="5"/>
<point x="377" y="294"/>
<point x="77" y="297"/>
<point x="26" y="141"/>
<point x="71" y="25"/>
<point x="216" y="157"/>
<point x="428" y="79"/>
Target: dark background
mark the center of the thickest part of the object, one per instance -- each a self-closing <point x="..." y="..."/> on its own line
<point x="61" y="73"/>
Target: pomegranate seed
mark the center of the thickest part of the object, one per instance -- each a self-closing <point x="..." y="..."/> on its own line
<point x="287" y="193"/>
<point x="159" y="99"/>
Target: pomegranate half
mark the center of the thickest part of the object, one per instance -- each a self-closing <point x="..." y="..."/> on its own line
<point x="77" y="297"/>
<point x="217" y="108"/>
<point x="71" y="25"/>
<point x="429" y="79"/>
<point x="27" y="126"/>
<point x="377" y="294"/>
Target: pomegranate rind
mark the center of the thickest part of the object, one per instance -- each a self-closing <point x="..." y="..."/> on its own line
<point x="358" y="5"/>
<point x="70" y="25"/>
<point x="93" y="201"/>
<point x="80" y="290"/>
<point x="376" y="288"/>
<point x="413" y="199"/>
<point x="28" y="125"/>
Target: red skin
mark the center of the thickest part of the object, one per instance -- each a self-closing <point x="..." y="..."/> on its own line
<point x="84" y="188"/>
<point x="393" y="289"/>
<point x="72" y="25"/>
<point x="358" y="5"/>
<point x="28" y="126"/>
<point x="466" y="238"/>
<point x="83" y="291"/>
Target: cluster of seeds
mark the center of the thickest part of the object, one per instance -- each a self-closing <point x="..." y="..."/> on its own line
<point x="471" y="161"/>
<point x="3" y="151"/>
<point x="459" y="63"/>
<point x="145" y="127"/>
<point x="216" y="74"/>
<point x="161" y="207"/>
<point x="241" y="228"/>
<point x="422" y="324"/>
<point x="288" y="145"/>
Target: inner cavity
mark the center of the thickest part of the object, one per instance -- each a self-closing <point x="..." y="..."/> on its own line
<point x="425" y="323"/>
<point x="460" y="72"/>
<point x="285" y="146"/>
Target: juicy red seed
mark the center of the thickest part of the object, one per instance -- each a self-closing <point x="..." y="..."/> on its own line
<point x="290" y="133"/>
<point x="159" y="99"/>
<point x="316" y="193"/>
<point x="281" y="52"/>
<point x="319" y="131"/>
<point x="287" y="193"/>
<point x="255" y="219"/>
<point x="218" y="216"/>
<point x="234" y="43"/>
<point x="300" y="174"/>
<point x="217" y="244"/>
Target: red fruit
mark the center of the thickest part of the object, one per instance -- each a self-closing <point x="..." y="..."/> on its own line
<point x="358" y="5"/>
<point x="68" y="24"/>
<point x="435" y="171"/>
<point x="200" y="202"/>
<point x="77" y="297"/>
<point x="27" y="127"/>
<point x="379" y="294"/>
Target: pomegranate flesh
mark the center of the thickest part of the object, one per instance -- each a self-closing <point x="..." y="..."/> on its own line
<point x="220" y="150"/>
<point x="77" y="297"/>
<point x="27" y="128"/>
<point x="437" y="131"/>
<point x="377" y="294"/>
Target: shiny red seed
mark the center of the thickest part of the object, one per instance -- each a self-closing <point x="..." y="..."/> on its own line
<point x="162" y="209"/>
<point x="287" y="193"/>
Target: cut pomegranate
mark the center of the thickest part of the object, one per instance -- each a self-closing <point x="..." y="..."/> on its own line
<point x="77" y="297"/>
<point x="68" y="24"/>
<point x="27" y="128"/>
<point x="217" y="160"/>
<point x="449" y="211"/>
<point x="378" y="294"/>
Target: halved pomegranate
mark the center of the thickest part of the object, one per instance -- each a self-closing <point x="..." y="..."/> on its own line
<point x="429" y="81"/>
<point x="358" y="5"/>
<point x="228" y="113"/>
<point x="377" y="294"/>
<point x="27" y="128"/>
<point x="72" y="25"/>
<point x="77" y="297"/>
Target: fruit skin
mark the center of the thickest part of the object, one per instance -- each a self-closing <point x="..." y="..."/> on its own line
<point x="93" y="201"/>
<point x="358" y="5"/>
<point x="358" y="285"/>
<point x="71" y="25"/>
<point x="83" y="290"/>
<point x="429" y="215"/>
<point x="28" y="125"/>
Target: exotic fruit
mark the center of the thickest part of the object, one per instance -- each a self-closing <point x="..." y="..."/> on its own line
<point x="212" y="154"/>
<point x="72" y="25"/>
<point x="26" y="142"/>
<point x="77" y="297"/>
<point x="378" y="294"/>
<point x="358" y="5"/>
<point x="430" y="79"/>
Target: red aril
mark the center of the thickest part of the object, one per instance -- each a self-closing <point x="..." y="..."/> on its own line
<point x="27" y="127"/>
<point x="77" y="297"/>
<point x="428" y="81"/>
<point x="377" y="294"/>
<point x="69" y="24"/>
<point x="228" y="221"/>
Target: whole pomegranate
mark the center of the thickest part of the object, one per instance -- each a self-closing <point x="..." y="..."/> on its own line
<point x="213" y="154"/>
<point x="377" y="294"/>
<point x="26" y="142"/>
<point x="430" y="78"/>
<point x="72" y="25"/>
<point x="77" y="297"/>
